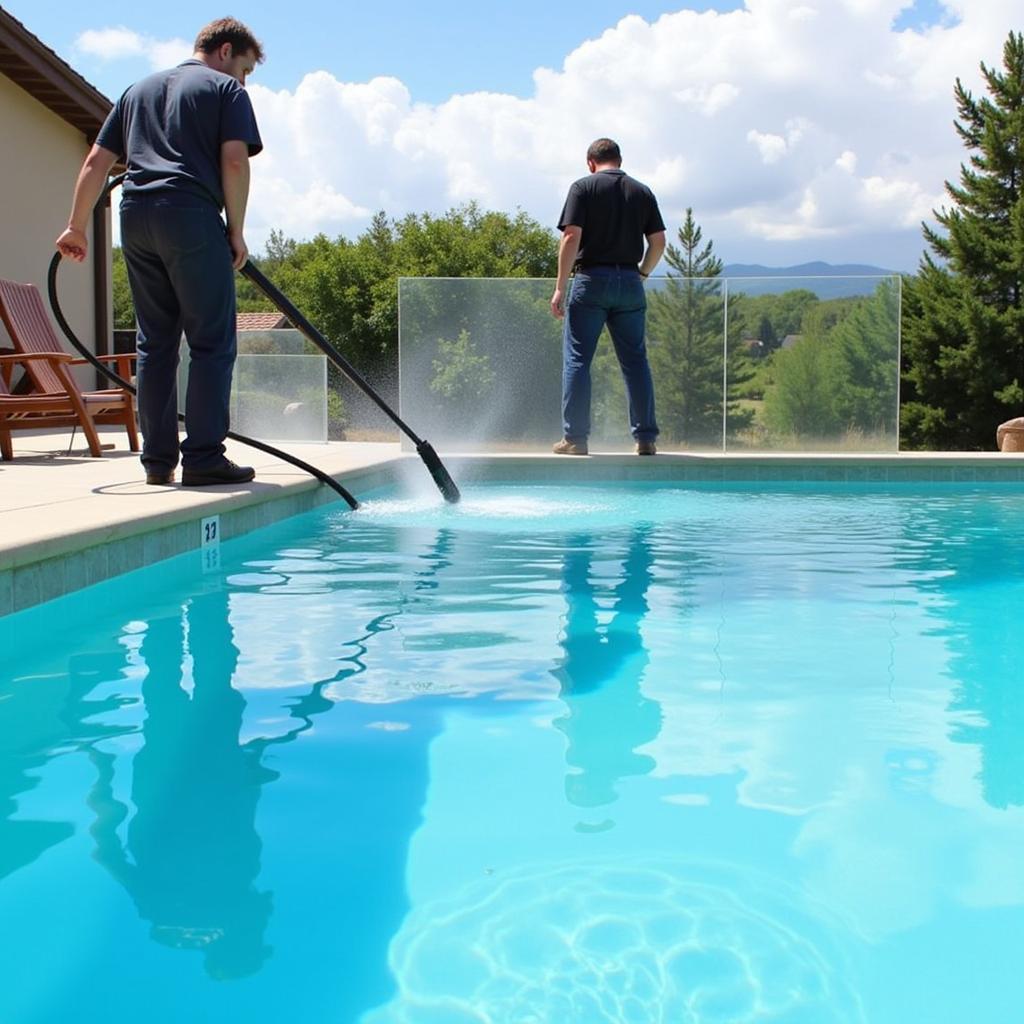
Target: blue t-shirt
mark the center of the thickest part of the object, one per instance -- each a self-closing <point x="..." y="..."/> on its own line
<point x="168" y="129"/>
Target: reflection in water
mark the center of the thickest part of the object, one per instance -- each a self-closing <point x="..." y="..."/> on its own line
<point x="853" y="796"/>
<point x="42" y="718"/>
<point x="607" y="717"/>
<point x="192" y="853"/>
<point x="982" y="622"/>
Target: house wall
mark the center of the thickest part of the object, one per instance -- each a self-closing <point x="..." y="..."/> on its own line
<point x="39" y="163"/>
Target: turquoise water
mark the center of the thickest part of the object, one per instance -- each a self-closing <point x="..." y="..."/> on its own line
<point x="559" y="755"/>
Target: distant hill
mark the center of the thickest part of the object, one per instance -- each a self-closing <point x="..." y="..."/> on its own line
<point x="815" y="269"/>
<point x="763" y="279"/>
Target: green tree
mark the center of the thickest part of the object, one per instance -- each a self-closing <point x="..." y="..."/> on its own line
<point x="865" y="363"/>
<point x="686" y="327"/>
<point x="801" y="400"/>
<point x="783" y="311"/>
<point x="838" y="380"/>
<point x="349" y="288"/>
<point x="463" y="377"/>
<point x="123" y="308"/>
<point x="964" y="322"/>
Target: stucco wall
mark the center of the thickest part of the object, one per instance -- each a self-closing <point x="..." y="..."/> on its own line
<point x="39" y="162"/>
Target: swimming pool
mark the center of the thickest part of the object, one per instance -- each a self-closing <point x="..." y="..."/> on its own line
<point x="632" y="753"/>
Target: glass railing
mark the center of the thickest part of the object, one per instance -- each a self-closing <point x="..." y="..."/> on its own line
<point x="739" y="364"/>
<point x="279" y="388"/>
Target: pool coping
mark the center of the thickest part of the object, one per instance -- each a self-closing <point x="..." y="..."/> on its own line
<point x="57" y="560"/>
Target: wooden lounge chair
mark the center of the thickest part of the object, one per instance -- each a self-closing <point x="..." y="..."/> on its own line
<point x="32" y="412"/>
<point x="32" y="333"/>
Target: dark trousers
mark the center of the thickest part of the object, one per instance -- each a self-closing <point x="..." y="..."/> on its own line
<point x="179" y="270"/>
<point x="612" y="296"/>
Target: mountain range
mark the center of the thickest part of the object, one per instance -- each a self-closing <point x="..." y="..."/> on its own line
<point x="843" y="279"/>
<point x="818" y="268"/>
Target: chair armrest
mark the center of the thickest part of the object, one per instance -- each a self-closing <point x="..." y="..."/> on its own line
<point x="24" y="357"/>
<point x="114" y="357"/>
<point x="122" y="360"/>
<point x="9" y="358"/>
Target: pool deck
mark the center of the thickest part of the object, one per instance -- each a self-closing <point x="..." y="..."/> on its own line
<point x="69" y="521"/>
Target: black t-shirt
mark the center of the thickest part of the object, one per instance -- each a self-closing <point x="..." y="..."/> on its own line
<point x="616" y="213"/>
<point x="168" y="130"/>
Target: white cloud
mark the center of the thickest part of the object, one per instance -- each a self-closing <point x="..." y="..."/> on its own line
<point x="771" y="147"/>
<point x="847" y="161"/>
<point x="110" y="43"/>
<point x="786" y="125"/>
<point x="165" y="53"/>
<point x="122" y="43"/>
<point x="707" y="99"/>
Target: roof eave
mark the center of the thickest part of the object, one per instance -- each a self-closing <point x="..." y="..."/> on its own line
<point x="54" y="83"/>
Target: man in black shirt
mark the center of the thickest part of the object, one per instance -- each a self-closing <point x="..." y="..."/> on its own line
<point x="185" y="136"/>
<point x="604" y="222"/>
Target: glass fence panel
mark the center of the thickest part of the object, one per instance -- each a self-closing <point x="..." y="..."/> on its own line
<point x="279" y="342"/>
<point x="280" y="398"/>
<point x="739" y="364"/>
<point x="279" y="388"/>
<point x="813" y="364"/>
<point x="480" y="362"/>
<point x="686" y="322"/>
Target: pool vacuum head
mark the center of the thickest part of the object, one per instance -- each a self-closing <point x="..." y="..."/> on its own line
<point x="445" y="484"/>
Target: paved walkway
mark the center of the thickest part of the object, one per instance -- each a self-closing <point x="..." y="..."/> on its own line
<point x="52" y="502"/>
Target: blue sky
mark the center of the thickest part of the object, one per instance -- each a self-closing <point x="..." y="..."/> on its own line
<point x="437" y="49"/>
<point x="795" y="129"/>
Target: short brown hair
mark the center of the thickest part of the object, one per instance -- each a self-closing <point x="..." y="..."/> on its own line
<point x="228" y="30"/>
<point x="604" y="151"/>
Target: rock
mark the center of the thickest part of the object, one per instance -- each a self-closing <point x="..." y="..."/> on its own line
<point x="1010" y="435"/>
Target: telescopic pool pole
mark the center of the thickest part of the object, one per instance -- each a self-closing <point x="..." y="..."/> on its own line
<point x="76" y="343"/>
<point x="425" y="450"/>
<point x="116" y="378"/>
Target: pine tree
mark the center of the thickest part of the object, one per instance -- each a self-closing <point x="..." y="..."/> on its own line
<point x="686" y="326"/>
<point x="963" y="317"/>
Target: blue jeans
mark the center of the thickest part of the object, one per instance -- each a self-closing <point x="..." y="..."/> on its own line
<point x="179" y="269"/>
<point x="612" y="296"/>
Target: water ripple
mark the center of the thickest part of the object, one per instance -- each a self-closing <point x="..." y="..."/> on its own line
<point x="619" y="943"/>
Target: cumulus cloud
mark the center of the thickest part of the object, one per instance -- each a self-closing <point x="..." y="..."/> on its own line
<point x="120" y="43"/>
<point x="796" y="129"/>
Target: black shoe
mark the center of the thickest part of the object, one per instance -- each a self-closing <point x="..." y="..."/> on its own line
<point x="226" y="473"/>
<point x="160" y="477"/>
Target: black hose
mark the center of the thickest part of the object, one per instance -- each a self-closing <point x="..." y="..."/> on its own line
<point x="51" y="284"/>
<point x="424" y="448"/>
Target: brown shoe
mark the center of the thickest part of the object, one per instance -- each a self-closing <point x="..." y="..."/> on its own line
<point x="646" y="448"/>
<point x="161" y="478"/>
<point x="567" y="447"/>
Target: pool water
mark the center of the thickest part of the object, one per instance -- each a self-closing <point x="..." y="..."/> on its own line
<point x="561" y="755"/>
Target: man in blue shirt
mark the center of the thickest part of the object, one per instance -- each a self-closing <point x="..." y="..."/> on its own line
<point x="185" y="136"/>
<point x="604" y="222"/>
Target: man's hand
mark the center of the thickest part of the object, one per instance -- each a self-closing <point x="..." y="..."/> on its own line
<point x="92" y="179"/>
<point x="239" y="250"/>
<point x="73" y="244"/>
<point x="568" y="247"/>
